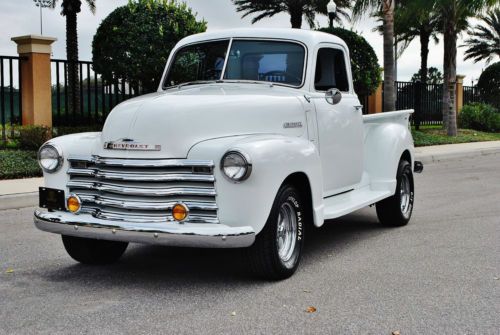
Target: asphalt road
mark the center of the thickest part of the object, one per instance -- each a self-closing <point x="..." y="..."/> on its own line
<point x="438" y="275"/>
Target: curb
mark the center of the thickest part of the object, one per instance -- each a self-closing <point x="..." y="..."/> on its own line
<point x="442" y="157"/>
<point x="18" y="200"/>
<point x="22" y="200"/>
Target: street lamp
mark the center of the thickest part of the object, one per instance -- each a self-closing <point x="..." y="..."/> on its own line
<point x="332" y="10"/>
<point x="42" y="4"/>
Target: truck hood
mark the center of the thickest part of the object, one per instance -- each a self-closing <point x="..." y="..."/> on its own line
<point x="177" y="119"/>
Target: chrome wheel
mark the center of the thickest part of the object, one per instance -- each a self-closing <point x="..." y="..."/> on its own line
<point x="286" y="236"/>
<point x="405" y="195"/>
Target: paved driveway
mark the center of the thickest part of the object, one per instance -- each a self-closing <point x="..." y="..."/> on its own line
<point x="438" y="275"/>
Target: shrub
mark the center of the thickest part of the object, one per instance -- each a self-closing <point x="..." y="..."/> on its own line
<point x="366" y="71"/>
<point x="18" y="164"/>
<point x="489" y="85"/>
<point x="135" y="40"/>
<point x="32" y="137"/>
<point x="480" y="116"/>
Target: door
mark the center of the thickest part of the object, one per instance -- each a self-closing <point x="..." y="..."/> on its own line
<point x="340" y="126"/>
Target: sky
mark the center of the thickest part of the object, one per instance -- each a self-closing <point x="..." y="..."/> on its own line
<point x="22" y="17"/>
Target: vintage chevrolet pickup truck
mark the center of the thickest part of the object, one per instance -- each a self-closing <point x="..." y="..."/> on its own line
<point x="254" y="137"/>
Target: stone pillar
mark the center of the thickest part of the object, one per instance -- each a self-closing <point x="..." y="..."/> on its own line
<point x="375" y="101"/>
<point x="460" y="92"/>
<point x="35" y="79"/>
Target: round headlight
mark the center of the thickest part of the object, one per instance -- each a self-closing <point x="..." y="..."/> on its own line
<point x="50" y="158"/>
<point x="236" y="166"/>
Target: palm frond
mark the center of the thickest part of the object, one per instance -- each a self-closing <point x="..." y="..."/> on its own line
<point x="484" y="39"/>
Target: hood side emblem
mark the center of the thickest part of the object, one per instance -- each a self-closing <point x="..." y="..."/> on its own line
<point x="287" y="125"/>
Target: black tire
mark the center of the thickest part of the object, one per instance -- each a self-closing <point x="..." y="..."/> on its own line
<point x="264" y="254"/>
<point x="396" y="211"/>
<point x="93" y="252"/>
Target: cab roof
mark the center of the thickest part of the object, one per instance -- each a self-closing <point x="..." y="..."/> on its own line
<point x="308" y="37"/>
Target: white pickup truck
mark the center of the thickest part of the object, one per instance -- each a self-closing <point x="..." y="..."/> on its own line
<point x="253" y="137"/>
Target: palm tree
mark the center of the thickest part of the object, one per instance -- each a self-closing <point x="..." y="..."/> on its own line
<point x="454" y="15"/>
<point x="415" y="20"/>
<point x="70" y="9"/>
<point x="484" y="41"/>
<point x="386" y="8"/>
<point x="297" y="9"/>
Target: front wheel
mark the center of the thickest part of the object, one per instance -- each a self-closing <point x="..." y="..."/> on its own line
<point x="396" y="211"/>
<point x="94" y="252"/>
<point x="278" y="247"/>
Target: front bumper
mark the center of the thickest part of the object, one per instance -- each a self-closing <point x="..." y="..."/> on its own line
<point x="171" y="234"/>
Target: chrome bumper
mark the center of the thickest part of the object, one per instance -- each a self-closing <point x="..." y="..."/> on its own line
<point x="171" y="234"/>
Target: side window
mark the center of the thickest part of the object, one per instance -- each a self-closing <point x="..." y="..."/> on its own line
<point x="331" y="70"/>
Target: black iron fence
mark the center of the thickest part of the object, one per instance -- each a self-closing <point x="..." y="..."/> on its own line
<point x="472" y="95"/>
<point x="10" y="95"/>
<point x="97" y="97"/>
<point x="425" y="99"/>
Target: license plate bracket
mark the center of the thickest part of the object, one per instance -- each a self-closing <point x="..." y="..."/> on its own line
<point x="51" y="198"/>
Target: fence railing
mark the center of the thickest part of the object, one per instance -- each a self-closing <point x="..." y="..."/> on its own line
<point x="10" y="95"/>
<point x="425" y="99"/>
<point x="472" y="95"/>
<point x="97" y="97"/>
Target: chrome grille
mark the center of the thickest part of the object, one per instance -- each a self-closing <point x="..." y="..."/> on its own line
<point x="143" y="190"/>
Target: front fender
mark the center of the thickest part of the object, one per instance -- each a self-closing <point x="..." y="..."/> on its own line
<point x="273" y="158"/>
<point x="82" y="144"/>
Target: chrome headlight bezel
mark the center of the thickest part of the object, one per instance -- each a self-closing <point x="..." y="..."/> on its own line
<point x="246" y="165"/>
<point x="57" y="151"/>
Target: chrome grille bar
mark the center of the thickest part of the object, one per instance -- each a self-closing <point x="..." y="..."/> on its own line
<point x="140" y="205"/>
<point x="150" y="162"/>
<point x="140" y="191"/>
<point x="154" y="177"/>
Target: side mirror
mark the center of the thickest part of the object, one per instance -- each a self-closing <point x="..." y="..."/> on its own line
<point x="333" y="96"/>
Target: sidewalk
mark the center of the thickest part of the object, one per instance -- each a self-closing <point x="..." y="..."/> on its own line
<point x="20" y="193"/>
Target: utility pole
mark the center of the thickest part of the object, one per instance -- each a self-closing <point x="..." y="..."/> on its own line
<point x="42" y="4"/>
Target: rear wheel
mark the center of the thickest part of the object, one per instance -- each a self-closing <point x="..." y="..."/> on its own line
<point x="278" y="247"/>
<point x="90" y="251"/>
<point x="396" y="211"/>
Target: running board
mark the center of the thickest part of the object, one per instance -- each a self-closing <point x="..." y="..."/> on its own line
<point x="346" y="203"/>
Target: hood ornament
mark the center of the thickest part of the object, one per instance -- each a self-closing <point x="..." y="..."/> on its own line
<point x="130" y="144"/>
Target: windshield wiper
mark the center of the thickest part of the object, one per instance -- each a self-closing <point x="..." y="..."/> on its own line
<point x="197" y="82"/>
<point x="246" y="81"/>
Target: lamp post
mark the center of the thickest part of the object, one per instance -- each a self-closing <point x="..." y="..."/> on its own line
<point x="332" y="10"/>
<point x="42" y="4"/>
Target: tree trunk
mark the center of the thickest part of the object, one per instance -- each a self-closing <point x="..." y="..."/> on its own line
<point x="446" y="80"/>
<point x="296" y="17"/>
<point x="424" y="55"/>
<point x="73" y="75"/>
<point x="450" y="45"/>
<point x="450" y="70"/>
<point x="389" y="89"/>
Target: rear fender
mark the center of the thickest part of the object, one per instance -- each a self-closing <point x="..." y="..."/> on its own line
<point x="385" y="144"/>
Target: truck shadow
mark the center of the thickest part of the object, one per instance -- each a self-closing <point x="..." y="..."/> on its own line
<point x="155" y="265"/>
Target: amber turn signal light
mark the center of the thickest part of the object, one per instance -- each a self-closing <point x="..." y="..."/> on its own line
<point x="73" y="203"/>
<point x="180" y="212"/>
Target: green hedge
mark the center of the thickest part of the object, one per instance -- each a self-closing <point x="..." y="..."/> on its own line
<point x="479" y="116"/>
<point x="18" y="164"/>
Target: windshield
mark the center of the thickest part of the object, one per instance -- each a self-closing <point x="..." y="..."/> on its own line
<point x="269" y="61"/>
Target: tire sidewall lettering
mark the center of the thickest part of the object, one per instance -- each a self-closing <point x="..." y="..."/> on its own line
<point x="300" y="222"/>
